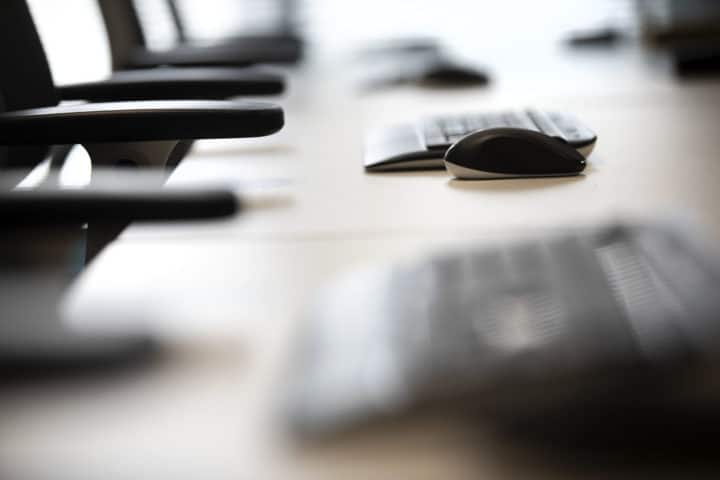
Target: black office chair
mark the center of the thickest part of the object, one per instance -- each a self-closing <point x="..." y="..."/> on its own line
<point x="282" y="30"/>
<point x="129" y="49"/>
<point x="178" y="84"/>
<point x="283" y="24"/>
<point x="46" y="225"/>
<point x="142" y="133"/>
<point x="41" y="254"/>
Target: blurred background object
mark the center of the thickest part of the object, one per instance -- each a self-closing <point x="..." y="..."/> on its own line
<point x="416" y="61"/>
<point x="606" y="336"/>
<point x="271" y="18"/>
<point x="689" y="29"/>
<point x="129" y="47"/>
<point x="680" y="20"/>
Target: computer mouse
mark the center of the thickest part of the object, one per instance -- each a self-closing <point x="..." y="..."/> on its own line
<point x="512" y="152"/>
<point x="444" y="73"/>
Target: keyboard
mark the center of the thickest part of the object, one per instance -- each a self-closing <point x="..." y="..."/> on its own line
<point x="540" y="320"/>
<point x="423" y="145"/>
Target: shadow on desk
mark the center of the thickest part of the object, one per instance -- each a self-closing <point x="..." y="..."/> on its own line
<point x="513" y="184"/>
<point x="136" y="358"/>
<point x="474" y="446"/>
<point x="653" y="453"/>
<point x="225" y="149"/>
<point x="429" y="173"/>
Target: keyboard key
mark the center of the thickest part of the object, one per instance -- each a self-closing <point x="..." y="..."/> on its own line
<point x="474" y="122"/>
<point x="544" y="123"/>
<point x="571" y="129"/>
<point x="495" y="120"/>
<point x="455" y="138"/>
<point x="520" y="120"/>
<point x="434" y="137"/>
<point x="456" y="127"/>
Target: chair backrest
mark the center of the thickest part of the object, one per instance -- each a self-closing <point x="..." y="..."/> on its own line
<point x="25" y="78"/>
<point x="281" y="21"/>
<point x="177" y="20"/>
<point x="124" y="31"/>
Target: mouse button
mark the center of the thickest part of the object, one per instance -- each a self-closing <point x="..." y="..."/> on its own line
<point x="518" y="156"/>
<point x="537" y="156"/>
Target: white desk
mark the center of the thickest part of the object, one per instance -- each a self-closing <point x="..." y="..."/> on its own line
<point x="228" y="296"/>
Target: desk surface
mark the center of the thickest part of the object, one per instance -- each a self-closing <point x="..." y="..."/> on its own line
<point x="228" y="296"/>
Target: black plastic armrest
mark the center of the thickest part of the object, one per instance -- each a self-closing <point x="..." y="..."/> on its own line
<point x="139" y="121"/>
<point x="236" y="53"/>
<point x="53" y="207"/>
<point x="178" y="84"/>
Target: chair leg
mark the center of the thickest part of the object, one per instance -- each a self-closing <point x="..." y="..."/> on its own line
<point x="135" y="154"/>
<point x="156" y="157"/>
<point x="100" y="235"/>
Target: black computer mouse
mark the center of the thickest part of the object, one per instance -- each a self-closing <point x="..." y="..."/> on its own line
<point x="512" y="152"/>
<point x="444" y="73"/>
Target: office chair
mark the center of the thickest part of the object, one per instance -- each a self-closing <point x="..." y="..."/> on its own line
<point x="129" y="49"/>
<point x="169" y="83"/>
<point x="173" y="84"/>
<point x="283" y="31"/>
<point x="285" y="26"/>
<point x="67" y="229"/>
<point x="178" y="84"/>
<point x="140" y="133"/>
<point x="41" y="255"/>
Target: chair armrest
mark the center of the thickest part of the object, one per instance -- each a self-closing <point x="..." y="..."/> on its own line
<point x="113" y="205"/>
<point x="139" y="121"/>
<point x="177" y="84"/>
<point x="238" y="52"/>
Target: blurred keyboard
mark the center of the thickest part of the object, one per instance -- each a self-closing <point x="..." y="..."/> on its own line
<point x="615" y="316"/>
